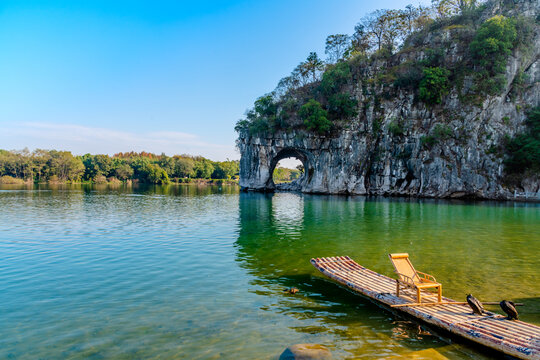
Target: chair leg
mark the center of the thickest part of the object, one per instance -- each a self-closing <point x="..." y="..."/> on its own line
<point x="440" y="293"/>
<point x="418" y="296"/>
<point x="397" y="288"/>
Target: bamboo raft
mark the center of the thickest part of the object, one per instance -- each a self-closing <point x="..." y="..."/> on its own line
<point x="512" y="337"/>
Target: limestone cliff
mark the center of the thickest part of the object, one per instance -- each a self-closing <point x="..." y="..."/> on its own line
<point x="398" y="145"/>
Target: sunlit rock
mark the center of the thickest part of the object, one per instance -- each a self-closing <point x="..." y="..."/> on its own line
<point x="447" y="150"/>
<point x="306" y="352"/>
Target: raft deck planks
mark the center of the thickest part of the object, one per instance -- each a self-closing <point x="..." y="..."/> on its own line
<point x="516" y="338"/>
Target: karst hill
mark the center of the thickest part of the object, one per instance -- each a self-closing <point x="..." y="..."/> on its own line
<point x="444" y="105"/>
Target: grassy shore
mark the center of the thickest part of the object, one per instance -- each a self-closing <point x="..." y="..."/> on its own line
<point x="9" y="180"/>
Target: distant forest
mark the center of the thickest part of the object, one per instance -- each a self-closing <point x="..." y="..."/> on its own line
<point x="282" y="174"/>
<point x="62" y="166"/>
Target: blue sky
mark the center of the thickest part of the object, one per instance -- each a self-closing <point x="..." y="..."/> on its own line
<point x="161" y="76"/>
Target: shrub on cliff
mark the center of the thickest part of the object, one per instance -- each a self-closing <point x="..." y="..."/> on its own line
<point x="523" y="150"/>
<point x="490" y="49"/>
<point x="434" y="85"/>
<point x="440" y="132"/>
<point x="408" y="75"/>
<point x="342" y="106"/>
<point x="262" y="118"/>
<point x="493" y="43"/>
<point x="339" y="103"/>
<point x="315" y="117"/>
<point x="335" y="78"/>
<point x="395" y="128"/>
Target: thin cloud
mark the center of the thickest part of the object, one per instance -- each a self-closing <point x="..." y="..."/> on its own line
<point x="85" y="139"/>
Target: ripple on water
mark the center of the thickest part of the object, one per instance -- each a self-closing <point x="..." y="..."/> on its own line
<point x="187" y="272"/>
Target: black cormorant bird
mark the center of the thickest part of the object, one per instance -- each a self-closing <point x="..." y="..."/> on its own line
<point x="475" y="305"/>
<point x="509" y="308"/>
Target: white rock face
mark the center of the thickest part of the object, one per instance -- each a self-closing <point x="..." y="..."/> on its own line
<point x="358" y="160"/>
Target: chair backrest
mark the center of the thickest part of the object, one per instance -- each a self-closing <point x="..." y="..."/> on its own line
<point x="403" y="265"/>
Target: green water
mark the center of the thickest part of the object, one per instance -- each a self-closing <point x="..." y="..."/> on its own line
<point x="187" y="272"/>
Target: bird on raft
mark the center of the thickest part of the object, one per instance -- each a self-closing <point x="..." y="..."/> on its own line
<point x="475" y="305"/>
<point x="509" y="308"/>
<point x="291" y="290"/>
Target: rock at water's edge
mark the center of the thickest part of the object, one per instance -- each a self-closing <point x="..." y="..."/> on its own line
<point x="306" y="352"/>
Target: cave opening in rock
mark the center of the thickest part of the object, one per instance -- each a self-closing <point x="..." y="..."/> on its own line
<point x="288" y="170"/>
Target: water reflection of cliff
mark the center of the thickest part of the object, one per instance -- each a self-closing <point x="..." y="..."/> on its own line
<point x="271" y="233"/>
<point x="278" y="235"/>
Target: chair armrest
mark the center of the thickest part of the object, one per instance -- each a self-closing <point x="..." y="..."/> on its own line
<point x="408" y="279"/>
<point x="427" y="276"/>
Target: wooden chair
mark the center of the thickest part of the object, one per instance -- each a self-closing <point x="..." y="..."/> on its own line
<point x="409" y="277"/>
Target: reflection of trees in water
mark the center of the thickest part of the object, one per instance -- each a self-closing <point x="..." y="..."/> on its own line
<point x="183" y="190"/>
<point x="270" y="235"/>
<point x="279" y="233"/>
<point x="275" y="246"/>
<point x="121" y="188"/>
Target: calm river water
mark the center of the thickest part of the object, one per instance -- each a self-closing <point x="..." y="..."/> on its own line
<point x="186" y="272"/>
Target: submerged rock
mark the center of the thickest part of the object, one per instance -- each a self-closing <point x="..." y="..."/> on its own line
<point x="306" y="352"/>
<point x="291" y="290"/>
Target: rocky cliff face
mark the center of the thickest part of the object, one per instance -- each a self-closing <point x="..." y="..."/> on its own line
<point x="369" y="156"/>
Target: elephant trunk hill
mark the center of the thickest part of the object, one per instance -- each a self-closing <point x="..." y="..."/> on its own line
<point x="432" y="119"/>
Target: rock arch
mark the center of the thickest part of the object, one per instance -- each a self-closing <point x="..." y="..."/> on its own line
<point x="324" y="171"/>
<point x="291" y="152"/>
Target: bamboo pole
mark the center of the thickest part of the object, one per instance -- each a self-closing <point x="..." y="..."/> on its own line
<point x="498" y="302"/>
<point x="449" y="303"/>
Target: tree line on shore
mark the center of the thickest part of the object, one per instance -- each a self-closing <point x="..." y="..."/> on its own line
<point x="62" y="166"/>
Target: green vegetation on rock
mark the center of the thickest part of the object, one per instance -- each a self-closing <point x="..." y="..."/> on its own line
<point x="395" y="128"/>
<point x="490" y="49"/>
<point x="426" y="52"/>
<point x="315" y="117"/>
<point x="434" y="85"/>
<point x="523" y="150"/>
<point x="440" y="132"/>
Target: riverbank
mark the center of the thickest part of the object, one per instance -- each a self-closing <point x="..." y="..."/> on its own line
<point x="54" y="166"/>
<point x="9" y="180"/>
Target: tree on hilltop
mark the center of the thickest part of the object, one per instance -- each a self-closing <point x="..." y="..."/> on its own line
<point x="312" y="66"/>
<point x="336" y="46"/>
